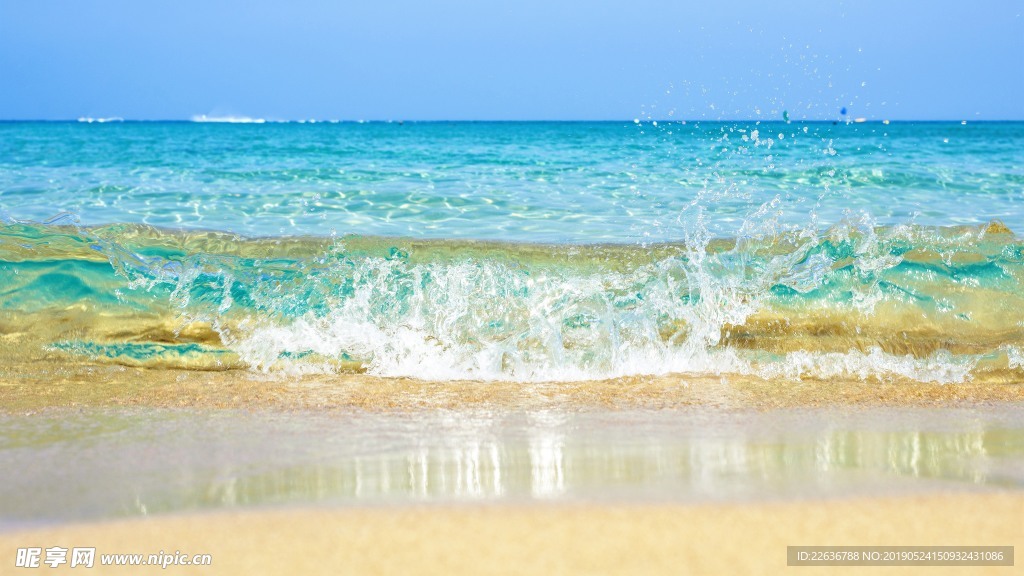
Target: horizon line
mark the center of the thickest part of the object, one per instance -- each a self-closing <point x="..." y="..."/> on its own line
<point x="258" y="120"/>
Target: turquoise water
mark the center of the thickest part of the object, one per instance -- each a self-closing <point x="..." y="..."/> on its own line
<point x="524" y="182"/>
<point x="525" y="251"/>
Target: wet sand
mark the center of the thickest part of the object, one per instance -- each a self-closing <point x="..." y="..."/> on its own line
<point x="95" y="464"/>
<point x="641" y="534"/>
<point x="44" y="383"/>
<point x="556" y="539"/>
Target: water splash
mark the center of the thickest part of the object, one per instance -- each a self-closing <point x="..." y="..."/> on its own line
<point x="853" y="300"/>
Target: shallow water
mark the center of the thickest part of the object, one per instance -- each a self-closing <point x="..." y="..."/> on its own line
<point x="518" y="251"/>
<point x="557" y="182"/>
<point x="94" y="464"/>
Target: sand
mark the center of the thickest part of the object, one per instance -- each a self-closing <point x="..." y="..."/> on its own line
<point x="739" y="538"/>
<point x="45" y="383"/>
<point x="561" y="537"/>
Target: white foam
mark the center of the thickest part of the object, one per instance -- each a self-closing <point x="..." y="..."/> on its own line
<point x="228" y="119"/>
<point x="487" y="321"/>
<point x="1014" y="357"/>
<point x="941" y="367"/>
<point x="497" y="319"/>
<point x="86" y="119"/>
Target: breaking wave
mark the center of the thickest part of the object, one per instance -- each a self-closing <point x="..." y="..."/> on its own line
<point x="853" y="300"/>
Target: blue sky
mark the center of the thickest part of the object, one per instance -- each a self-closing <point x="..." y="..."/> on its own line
<point x="529" y="59"/>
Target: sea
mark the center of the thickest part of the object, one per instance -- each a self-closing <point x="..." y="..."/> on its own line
<point x="202" y="316"/>
<point x="519" y="251"/>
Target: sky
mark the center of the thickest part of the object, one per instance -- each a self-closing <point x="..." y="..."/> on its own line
<point x="522" y="60"/>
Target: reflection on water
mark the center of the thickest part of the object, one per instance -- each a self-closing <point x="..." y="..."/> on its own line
<point x="103" y="464"/>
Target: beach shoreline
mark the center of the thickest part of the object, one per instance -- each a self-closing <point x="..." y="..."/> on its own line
<point x="52" y="383"/>
<point x="45" y="380"/>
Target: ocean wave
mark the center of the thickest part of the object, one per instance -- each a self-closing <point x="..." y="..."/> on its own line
<point x="90" y="120"/>
<point x="228" y="119"/>
<point x="854" y="300"/>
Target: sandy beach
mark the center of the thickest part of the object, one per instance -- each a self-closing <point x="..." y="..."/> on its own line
<point x="637" y="476"/>
<point x="554" y="539"/>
